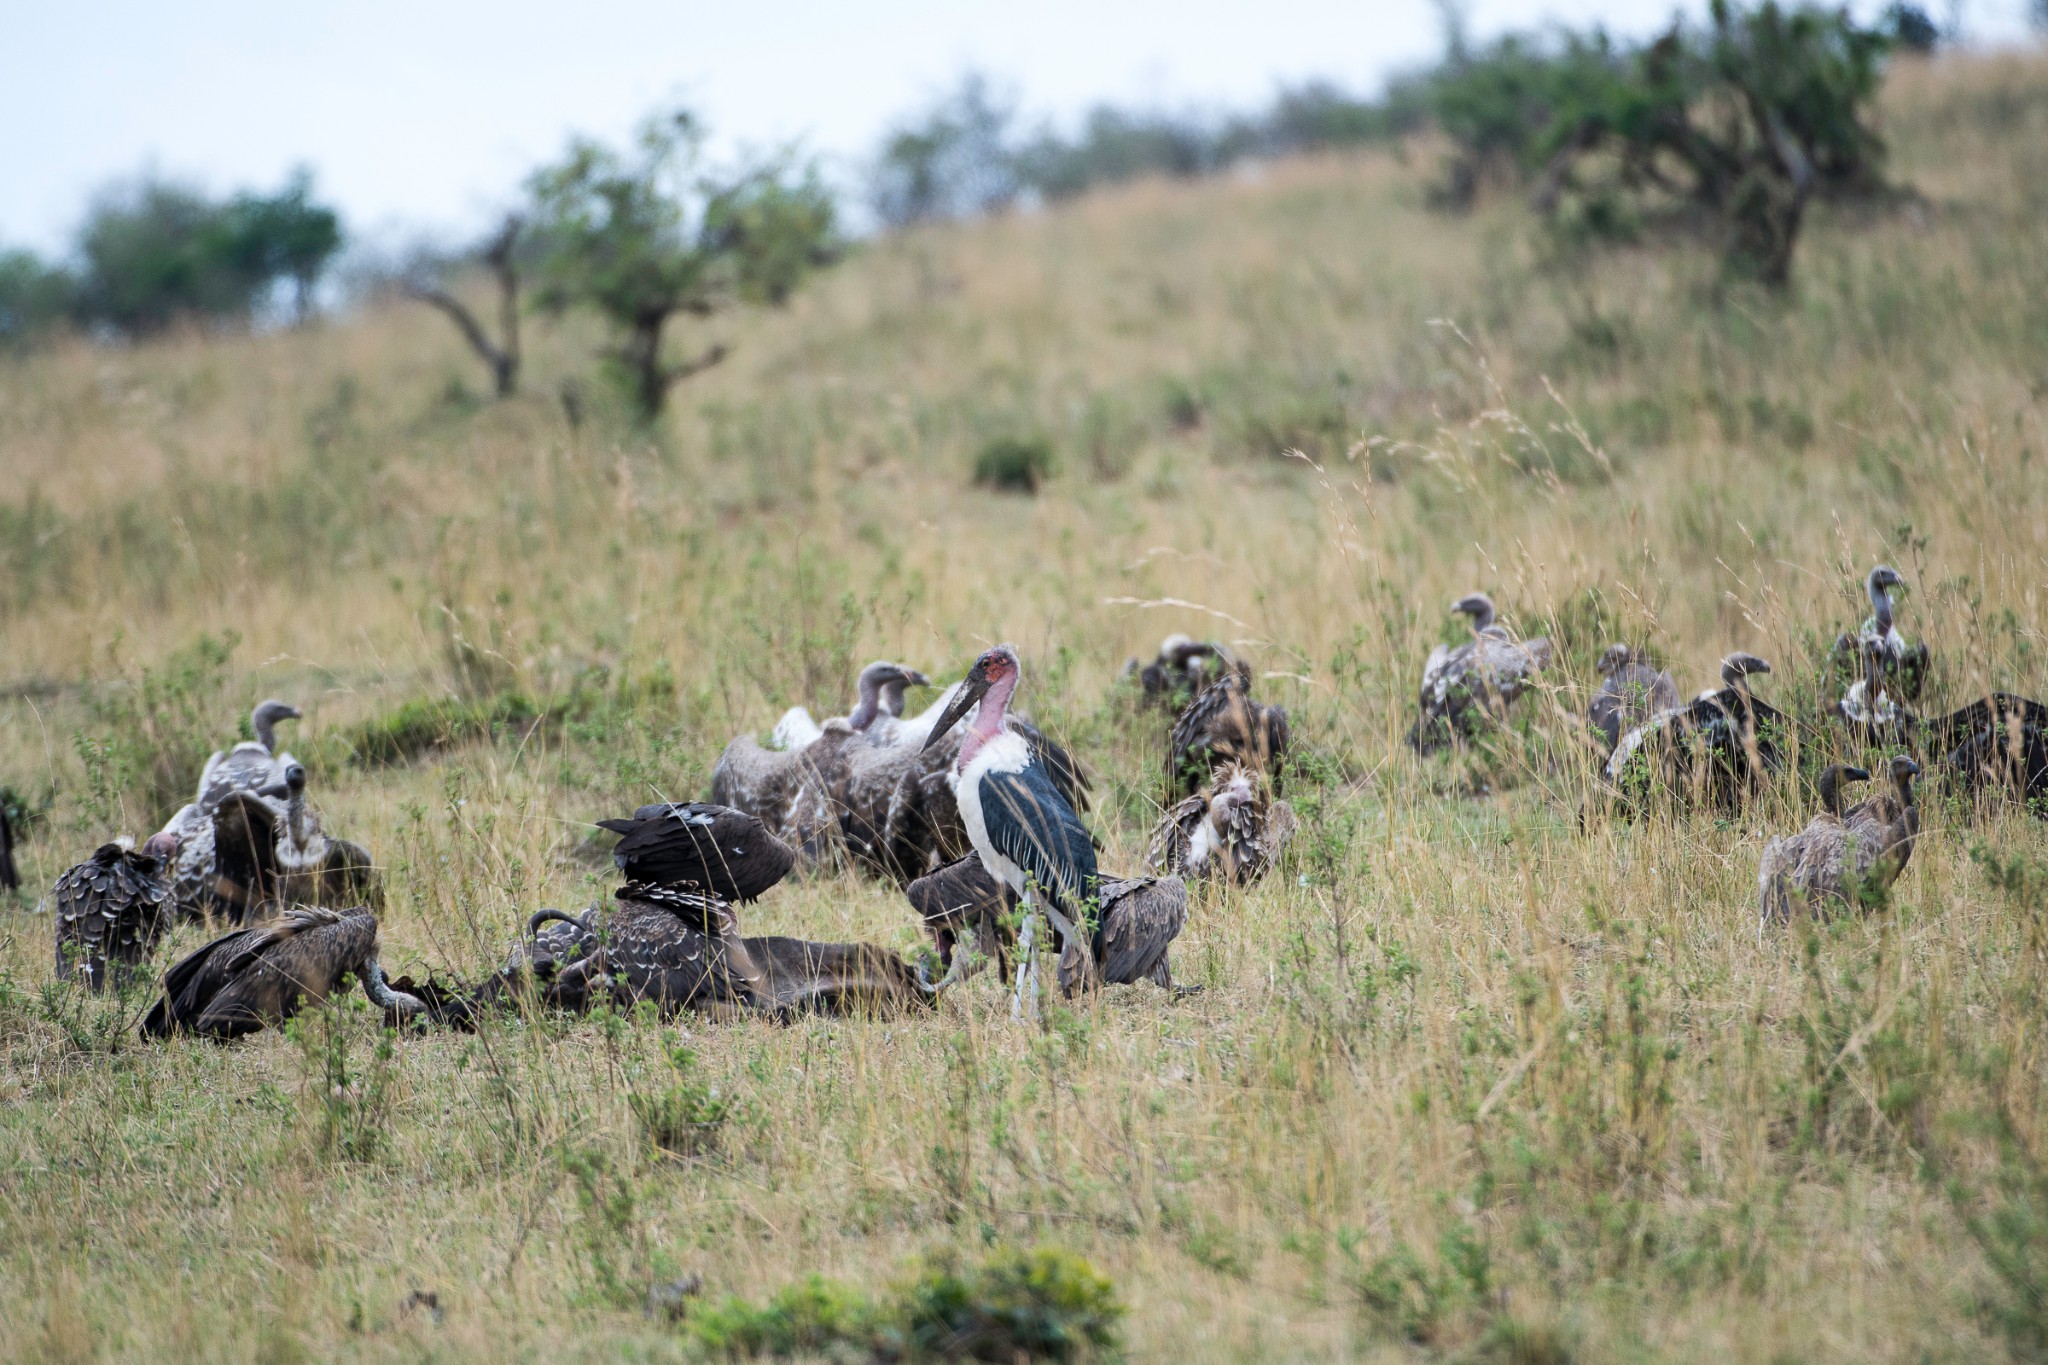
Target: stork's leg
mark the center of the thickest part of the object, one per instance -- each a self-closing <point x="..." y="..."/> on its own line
<point x="1024" y="1000"/>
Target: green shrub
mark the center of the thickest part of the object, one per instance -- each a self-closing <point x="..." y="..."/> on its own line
<point x="1014" y="464"/>
<point x="687" y="1117"/>
<point x="156" y="732"/>
<point x="1044" y="1304"/>
<point x="426" y="724"/>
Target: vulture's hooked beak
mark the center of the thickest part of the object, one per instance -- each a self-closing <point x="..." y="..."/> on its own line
<point x="972" y="689"/>
<point x="913" y="678"/>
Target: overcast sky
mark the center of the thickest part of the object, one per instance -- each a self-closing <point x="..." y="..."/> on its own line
<point x="424" y="115"/>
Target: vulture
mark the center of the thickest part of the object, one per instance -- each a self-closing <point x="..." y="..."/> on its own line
<point x="10" y="879"/>
<point x="878" y="704"/>
<point x="111" y="909"/>
<point x="252" y="763"/>
<point x="1140" y="918"/>
<point x="267" y="854"/>
<point x="724" y="851"/>
<point x="1719" y="746"/>
<point x="1224" y="725"/>
<point x="1629" y="694"/>
<point x="1233" y="830"/>
<point x="1844" y="858"/>
<point x="252" y="978"/>
<point x="962" y="898"/>
<point x="1466" y="685"/>
<point x="792" y="791"/>
<point x="1996" y="743"/>
<point x="1900" y="669"/>
<point x="1031" y="842"/>
<point x="1182" y="668"/>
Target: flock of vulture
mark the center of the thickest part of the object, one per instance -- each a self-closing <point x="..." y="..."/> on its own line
<point x="975" y="814"/>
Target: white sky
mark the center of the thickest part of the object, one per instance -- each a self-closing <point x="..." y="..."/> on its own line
<point x="424" y="116"/>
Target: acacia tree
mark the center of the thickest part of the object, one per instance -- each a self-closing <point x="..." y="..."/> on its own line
<point x="646" y="235"/>
<point x="499" y="256"/>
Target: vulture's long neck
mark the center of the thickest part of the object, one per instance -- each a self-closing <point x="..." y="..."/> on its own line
<point x="870" y="704"/>
<point x="266" y="730"/>
<point x="1881" y="604"/>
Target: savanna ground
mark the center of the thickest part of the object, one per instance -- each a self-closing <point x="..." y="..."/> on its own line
<point x="1465" y="1080"/>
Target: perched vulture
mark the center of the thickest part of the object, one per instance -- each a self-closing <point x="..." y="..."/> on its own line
<point x="110" y="911"/>
<point x="792" y="792"/>
<point x="724" y="851"/>
<point x="1629" y="694"/>
<point x="1466" y="686"/>
<point x="1844" y="857"/>
<point x="1182" y="668"/>
<point x="252" y="978"/>
<point x="962" y="898"/>
<point x="1718" y="748"/>
<point x="1140" y="919"/>
<point x="1233" y="830"/>
<point x="1803" y="865"/>
<point x="1900" y="669"/>
<point x="1221" y="726"/>
<point x="252" y="763"/>
<point x="266" y="857"/>
<point x="878" y="704"/>
<point x="1996" y="743"/>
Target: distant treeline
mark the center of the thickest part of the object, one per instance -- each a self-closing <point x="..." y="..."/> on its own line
<point x="154" y="252"/>
<point x="1730" y="126"/>
<point x="1501" y="104"/>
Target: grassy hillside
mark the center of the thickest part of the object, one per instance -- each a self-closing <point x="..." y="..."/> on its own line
<point x="1465" y="1081"/>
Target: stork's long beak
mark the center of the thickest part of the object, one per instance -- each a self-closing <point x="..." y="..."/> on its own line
<point x="972" y="689"/>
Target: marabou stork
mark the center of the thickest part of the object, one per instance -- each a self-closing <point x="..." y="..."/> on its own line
<point x="1900" y="669"/>
<point x="1848" y="859"/>
<point x="1719" y="746"/>
<point x="1467" y="685"/>
<point x="1223" y="725"/>
<point x="1234" y="831"/>
<point x="1030" y="841"/>
<point x="1182" y="668"/>
<point x="251" y="978"/>
<point x="111" y="909"/>
<point x="1630" y="693"/>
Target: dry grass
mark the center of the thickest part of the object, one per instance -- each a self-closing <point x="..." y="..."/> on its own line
<point x="1465" y="1082"/>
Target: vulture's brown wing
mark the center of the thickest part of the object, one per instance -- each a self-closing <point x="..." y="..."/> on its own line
<point x="245" y="875"/>
<point x="303" y="957"/>
<point x="1141" y="917"/>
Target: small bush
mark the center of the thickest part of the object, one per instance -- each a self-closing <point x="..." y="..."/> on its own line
<point x="1045" y="1304"/>
<point x="426" y="724"/>
<point x="1014" y="464"/>
<point x="157" y="732"/>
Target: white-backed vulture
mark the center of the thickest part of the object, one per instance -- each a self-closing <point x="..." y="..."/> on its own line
<point x="1223" y="725"/>
<point x="1901" y="669"/>
<point x="1183" y="667"/>
<point x="1630" y="693"/>
<point x="253" y="763"/>
<point x="1233" y="830"/>
<point x="1846" y="862"/>
<point x="110" y="911"/>
<point x="1469" y="685"/>
<point x="1718" y="748"/>
<point x="254" y="978"/>
<point x="878" y="704"/>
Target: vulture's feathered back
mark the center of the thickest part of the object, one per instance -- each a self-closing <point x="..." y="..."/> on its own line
<point x="1630" y="692"/>
<point x="1224" y="724"/>
<point x="725" y="851"/>
<point x="110" y="911"/>
<point x="254" y="978"/>
<point x="1467" y="685"/>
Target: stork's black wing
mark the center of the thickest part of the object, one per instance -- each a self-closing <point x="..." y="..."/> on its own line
<point x="1060" y="766"/>
<point x="727" y="852"/>
<point x="1032" y="825"/>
